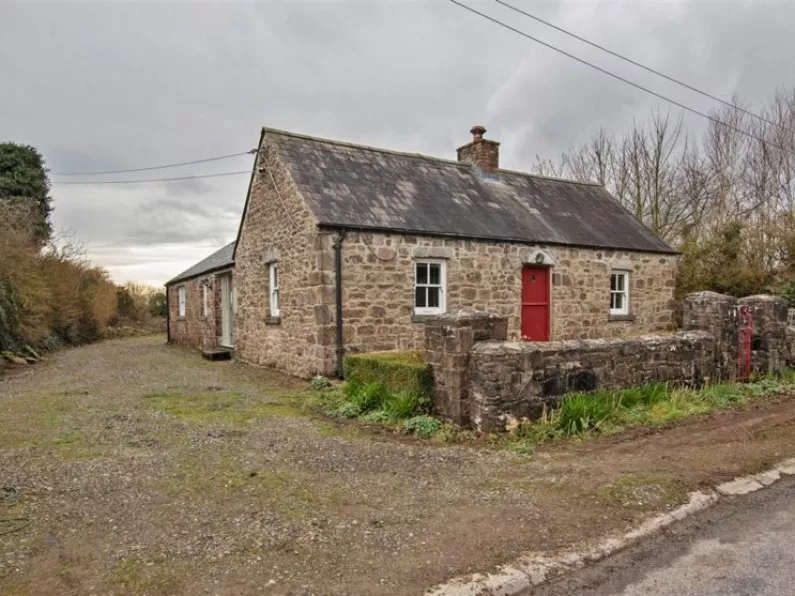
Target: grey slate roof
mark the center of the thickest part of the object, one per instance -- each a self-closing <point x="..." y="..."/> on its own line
<point x="220" y="259"/>
<point x="362" y="187"/>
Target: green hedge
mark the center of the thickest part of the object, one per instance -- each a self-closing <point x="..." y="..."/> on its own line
<point x="398" y="371"/>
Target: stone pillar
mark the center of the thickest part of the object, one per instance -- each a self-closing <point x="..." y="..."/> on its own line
<point x="769" y="342"/>
<point x="717" y="315"/>
<point x="448" y="341"/>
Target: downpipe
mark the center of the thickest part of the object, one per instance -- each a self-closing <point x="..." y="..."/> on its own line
<point x="340" y="372"/>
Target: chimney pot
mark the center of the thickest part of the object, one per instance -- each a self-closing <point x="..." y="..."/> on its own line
<point x="477" y="132"/>
<point x="480" y="152"/>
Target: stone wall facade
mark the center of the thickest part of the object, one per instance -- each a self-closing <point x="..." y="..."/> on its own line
<point x="279" y="228"/>
<point x="491" y="384"/>
<point x="378" y="288"/>
<point x="196" y="330"/>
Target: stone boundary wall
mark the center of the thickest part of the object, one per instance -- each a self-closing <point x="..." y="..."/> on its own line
<point x="511" y="381"/>
<point x="486" y="382"/>
<point x="449" y="340"/>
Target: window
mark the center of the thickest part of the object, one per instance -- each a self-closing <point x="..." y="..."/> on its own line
<point x="619" y="293"/>
<point x="205" y="293"/>
<point x="181" y="302"/>
<point x="274" y="289"/>
<point x="429" y="287"/>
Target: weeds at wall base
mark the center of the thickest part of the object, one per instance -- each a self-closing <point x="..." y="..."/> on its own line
<point x="373" y="403"/>
<point x="579" y="417"/>
<point x="603" y="413"/>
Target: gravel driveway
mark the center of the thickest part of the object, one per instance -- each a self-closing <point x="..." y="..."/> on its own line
<point x="146" y="470"/>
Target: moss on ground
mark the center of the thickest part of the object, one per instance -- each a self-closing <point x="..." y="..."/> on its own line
<point x="642" y="490"/>
<point x="218" y="407"/>
<point x="153" y="576"/>
<point x="47" y="422"/>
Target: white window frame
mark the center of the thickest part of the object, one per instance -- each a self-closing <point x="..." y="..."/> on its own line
<point x="434" y="310"/>
<point x="624" y="310"/>
<point x="273" y="289"/>
<point x="181" y="301"/>
<point x="205" y="305"/>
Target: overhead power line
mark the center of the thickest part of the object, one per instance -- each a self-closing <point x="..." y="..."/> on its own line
<point x="620" y="78"/>
<point x="634" y="62"/>
<point x="163" y="167"/>
<point x="155" y="179"/>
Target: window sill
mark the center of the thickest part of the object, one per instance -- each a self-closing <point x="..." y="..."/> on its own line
<point x="273" y="320"/>
<point x="627" y="317"/>
<point x="415" y="318"/>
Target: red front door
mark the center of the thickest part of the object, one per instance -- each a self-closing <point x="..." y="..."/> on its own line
<point x="535" y="303"/>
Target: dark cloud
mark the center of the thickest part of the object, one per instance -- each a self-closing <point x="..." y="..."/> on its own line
<point x="122" y="85"/>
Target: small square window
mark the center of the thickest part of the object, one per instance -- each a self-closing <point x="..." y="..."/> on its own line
<point x="619" y="293"/>
<point x="429" y="287"/>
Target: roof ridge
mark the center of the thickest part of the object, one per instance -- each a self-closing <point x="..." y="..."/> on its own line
<point x="287" y="133"/>
<point x="552" y="178"/>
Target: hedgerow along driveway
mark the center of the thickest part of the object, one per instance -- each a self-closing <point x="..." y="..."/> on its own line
<point x="146" y="470"/>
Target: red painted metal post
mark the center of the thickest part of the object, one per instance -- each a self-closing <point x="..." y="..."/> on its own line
<point x="745" y="335"/>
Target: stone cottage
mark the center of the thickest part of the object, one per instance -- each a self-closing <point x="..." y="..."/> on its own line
<point x="345" y="248"/>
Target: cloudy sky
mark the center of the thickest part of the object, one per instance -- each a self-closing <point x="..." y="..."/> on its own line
<point x="117" y="85"/>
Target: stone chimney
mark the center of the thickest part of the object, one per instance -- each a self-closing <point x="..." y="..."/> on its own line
<point x="481" y="152"/>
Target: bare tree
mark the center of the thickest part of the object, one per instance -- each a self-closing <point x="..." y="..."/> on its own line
<point x="739" y="177"/>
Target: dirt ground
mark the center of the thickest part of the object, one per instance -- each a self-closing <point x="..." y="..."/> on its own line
<point x="146" y="470"/>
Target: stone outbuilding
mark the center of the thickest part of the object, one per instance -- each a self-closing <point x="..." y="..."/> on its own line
<point x="346" y="248"/>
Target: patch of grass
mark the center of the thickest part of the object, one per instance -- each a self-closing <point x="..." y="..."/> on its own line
<point x="373" y="403"/>
<point x="643" y="490"/>
<point x="218" y="407"/>
<point x="369" y="396"/>
<point x="138" y="575"/>
<point x="582" y="412"/>
<point x="401" y="405"/>
<point x="47" y="422"/>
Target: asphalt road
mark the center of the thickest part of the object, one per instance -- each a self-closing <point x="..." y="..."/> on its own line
<point x="745" y="546"/>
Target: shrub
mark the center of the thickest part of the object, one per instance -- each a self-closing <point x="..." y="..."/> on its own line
<point x="423" y="425"/>
<point x="398" y="371"/>
<point x="787" y="292"/>
<point x="347" y="409"/>
<point x="319" y="383"/>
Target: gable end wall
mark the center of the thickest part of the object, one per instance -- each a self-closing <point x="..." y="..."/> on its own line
<point x="278" y="225"/>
